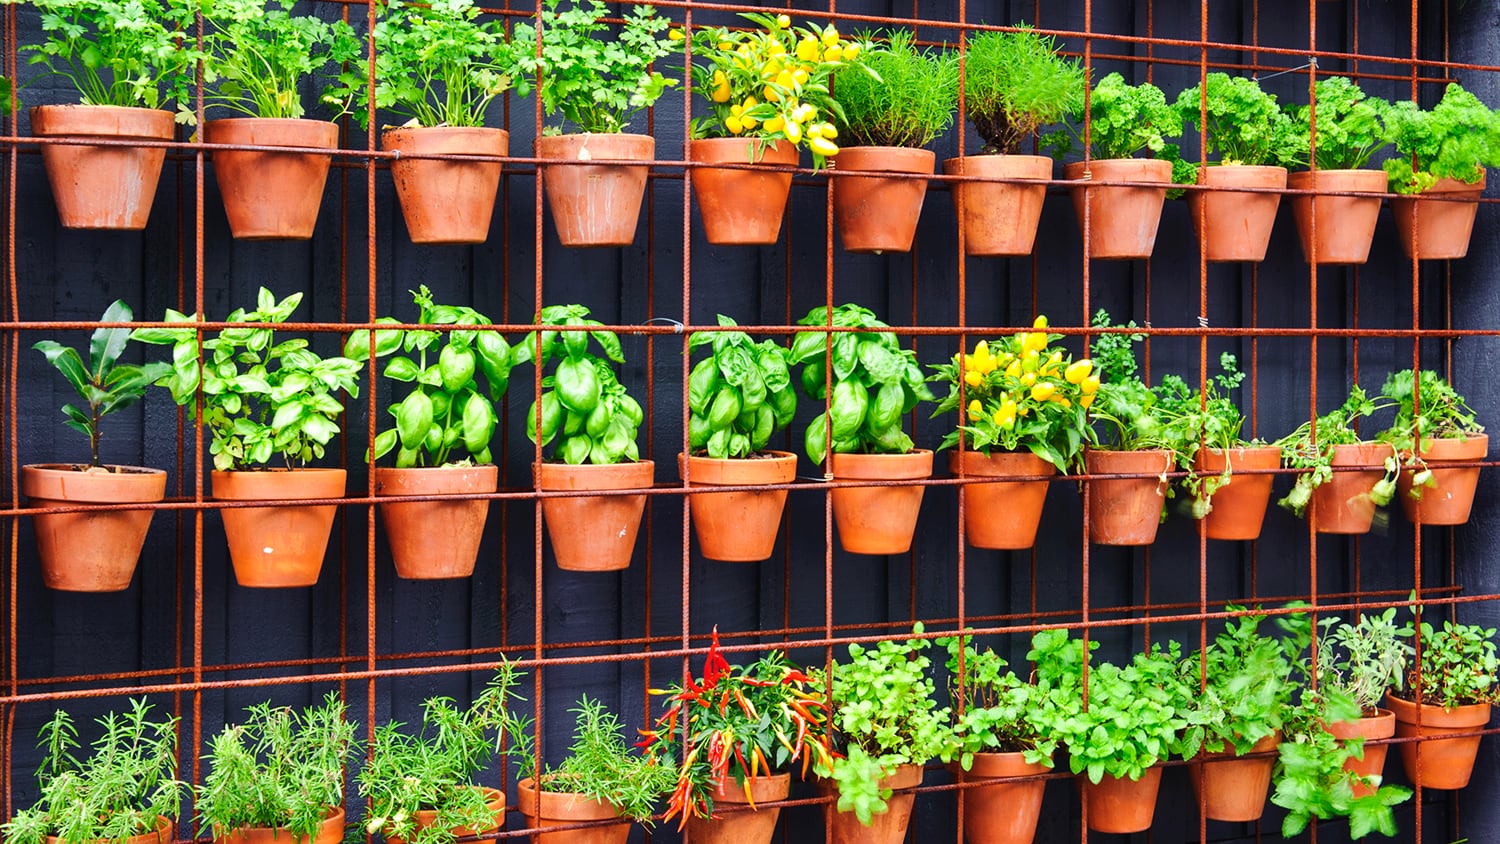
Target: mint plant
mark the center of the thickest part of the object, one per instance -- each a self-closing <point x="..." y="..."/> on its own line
<point x="1247" y="685"/>
<point x="582" y="401"/>
<point x="1456" y="139"/>
<point x="739" y="395"/>
<point x="1001" y="712"/>
<point x="902" y="96"/>
<point x="1015" y="84"/>
<point x="1351" y="125"/>
<point x="1455" y="664"/>
<point x="255" y="56"/>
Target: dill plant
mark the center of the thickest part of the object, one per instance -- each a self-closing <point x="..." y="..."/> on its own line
<point x="1017" y="83"/>
<point x="902" y="97"/>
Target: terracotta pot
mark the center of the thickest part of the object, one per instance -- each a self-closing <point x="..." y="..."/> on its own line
<point x="162" y="835"/>
<point x="1122" y="805"/>
<point x="888" y="827"/>
<point x="90" y="552"/>
<point x="1239" y="506"/>
<point x="433" y="540"/>
<point x="1234" y="225"/>
<point x="873" y="519"/>
<point x="1003" y="813"/>
<point x="494" y="801"/>
<point x="1234" y="789"/>
<point x="1002" y="515"/>
<point x="738" y="527"/>
<point x="1441" y="227"/>
<point x="741" y="207"/>
<point x="1342" y="503"/>
<point x="272" y="195"/>
<point x="331" y="832"/>
<point x="734" y="821"/>
<point x="1443" y="763"/>
<point x="559" y="808"/>
<point x="596" y="532"/>
<point x="1127" y="511"/>
<point x="1123" y="219"/>
<point x="97" y="187"/>
<point x="596" y="204"/>
<point x="1381" y="725"/>
<point x="1452" y="497"/>
<point x="999" y="218"/>
<point x="1345" y="224"/>
<point x="278" y="546"/>
<point x="445" y="201"/>
<point x="877" y="214"/>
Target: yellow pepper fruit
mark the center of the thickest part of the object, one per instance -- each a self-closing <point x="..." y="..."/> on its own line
<point x="1090" y="385"/>
<point x="1040" y="321"/>
<point x="833" y="54"/>
<point x="793" y="132"/>
<point x="676" y="35"/>
<point x="1043" y="391"/>
<point x="783" y="21"/>
<point x="1086" y="401"/>
<point x="1028" y="379"/>
<point x="1014" y="370"/>
<point x="799" y="75"/>
<point x="808" y="50"/>
<point x="775" y="124"/>
<point x="830" y="36"/>
<point x="734" y="124"/>
<point x="973" y="378"/>
<point x="823" y="147"/>
<point x="1078" y="370"/>
<point x="851" y="52"/>
<point x="976" y="410"/>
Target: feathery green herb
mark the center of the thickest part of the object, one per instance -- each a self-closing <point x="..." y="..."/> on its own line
<point x="909" y="99"/>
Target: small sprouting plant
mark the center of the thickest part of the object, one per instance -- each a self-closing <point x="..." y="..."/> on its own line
<point x="738" y="396"/>
<point x="1427" y="408"/>
<point x="1016" y="83"/>
<point x="1456" y="139"/>
<point x="1002" y="713"/>
<point x="1123" y="403"/>
<point x="1457" y="667"/>
<point x="1124" y="119"/>
<point x="1301" y="449"/>
<point x="1193" y="421"/>
<point x="1351" y="125"/>
<point x="255" y="57"/>
<point x="583" y="401"/>
<point x="1364" y="659"/>
<point x="907" y="101"/>
<point x="1245" y="124"/>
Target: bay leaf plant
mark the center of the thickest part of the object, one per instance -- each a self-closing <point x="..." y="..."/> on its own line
<point x="1001" y="712"/>
<point x="1016" y="83"/>
<point x="597" y="83"/>
<point x="1455" y="139"/>
<point x="126" y="786"/>
<point x="263" y="400"/>
<point x="279" y="768"/>
<point x="448" y="418"/>
<point x="899" y="95"/>
<point x="105" y="384"/>
<point x="1311" y="447"/>
<point x="739" y="395"/>
<point x="1351" y="125"/>
<point x="583" y="404"/>
<point x="875" y="383"/>
<point x="1427" y="408"/>
<point x="1244" y="124"/>
<point x="257" y="55"/>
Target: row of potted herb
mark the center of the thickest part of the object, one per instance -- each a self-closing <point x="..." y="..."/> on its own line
<point x="1028" y="410"/>
<point x="1248" y="711"/>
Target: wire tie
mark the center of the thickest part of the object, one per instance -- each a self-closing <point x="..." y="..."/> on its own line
<point x="677" y="327"/>
<point x="1312" y="62"/>
<point x="1203" y="322"/>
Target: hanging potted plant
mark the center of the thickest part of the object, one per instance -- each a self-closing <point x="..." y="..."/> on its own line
<point x="1362" y="661"/>
<point x="1343" y="476"/>
<point x="254" y="60"/>
<point x="439" y="67"/>
<point x="738" y="397"/>
<point x="132" y="73"/>
<point x="886" y="726"/>
<point x="94" y="551"/>
<point x="600" y="780"/>
<point x="1255" y="142"/>
<point x="595" y="421"/>
<point x="597" y="85"/>
<point x="1015" y="83"/>
<point x="760" y="116"/>
<point x="1351" y="128"/>
<point x="278" y="776"/>
<point x="875" y="384"/>
<point x="999" y="734"/>
<point x="1434" y="429"/>
<point x="1119" y="220"/>
<point x="894" y="103"/>
<point x="441" y="437"/>
<point x="1024" y="400"/>
<point x="420" y="788"/>
<point x="126" y="792"/>
<point x="1449" y="688"/>
<point x="732" y="738"/>
<point x="263" y="400"/>
<point x="1452" y="144"/>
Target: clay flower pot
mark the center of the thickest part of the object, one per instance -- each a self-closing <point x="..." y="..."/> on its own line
<point x="446" y="201"/>
<point x="879" y="214"/>
<point x="1121" y="805"/>
<point x="1002" y="515"/>
<point x="734" y="821"/>
<point x="543" y="809"/>
<point x="741" y="207"/>
<point x="494" y="801"/>
<point x="1234" y="225"/>
<point x="1239" y="506"/>
<point x="99" y="187"/>
<point x="879" y="520"/>
<point x="1342" y="503"/>
<point x="161" y="835"/>
<point x="1443" y="763"/>
<point x="888" y="827"/>
<point x="1452" y="497"/>
<point x="595" y="532"/>
<point x="1234" y="789"/>
<point x="999" y="218"/>
<point x="90" y="552"/>
<point x="1345" y="224"/>
<point x="1440" y="228"/>
<point x="738" y="527"/>
<point x="331" y="832"/>
<point x="1381" y="725"/>
<point x="271" y="195"/>
<point x="1122" y="219"/>
<point x="595" y="204"/>
<point x="432" y="540"/>
<point x="278" y="546"/>
<point x="1126" y="511"/>
<point x="1003" y="813"/>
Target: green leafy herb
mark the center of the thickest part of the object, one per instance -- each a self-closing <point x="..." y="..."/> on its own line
<point x="1351" y="125"/>
<point x="1302" y="450"/>
<point x="1458" y="665"/>
<point x="907" y="101"/>
<point x="1427" y="408"/>
<point x="1001" y="713"/>
<point x="582" y="401"/>
<point x="1364" y="659"/>
<point x="1015" y="84"/>
<point x="738" y="396"/>
<point x="1247" y="685"/>
<point x="1456" y="139"/>
<point x="256" y="57"/>
<point x="1245" y="125"/>
<point x="1124" y="120"/>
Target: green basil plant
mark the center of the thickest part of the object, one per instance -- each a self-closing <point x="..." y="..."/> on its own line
<point x="738" y="396"/>
<point x="583" y="404"/>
